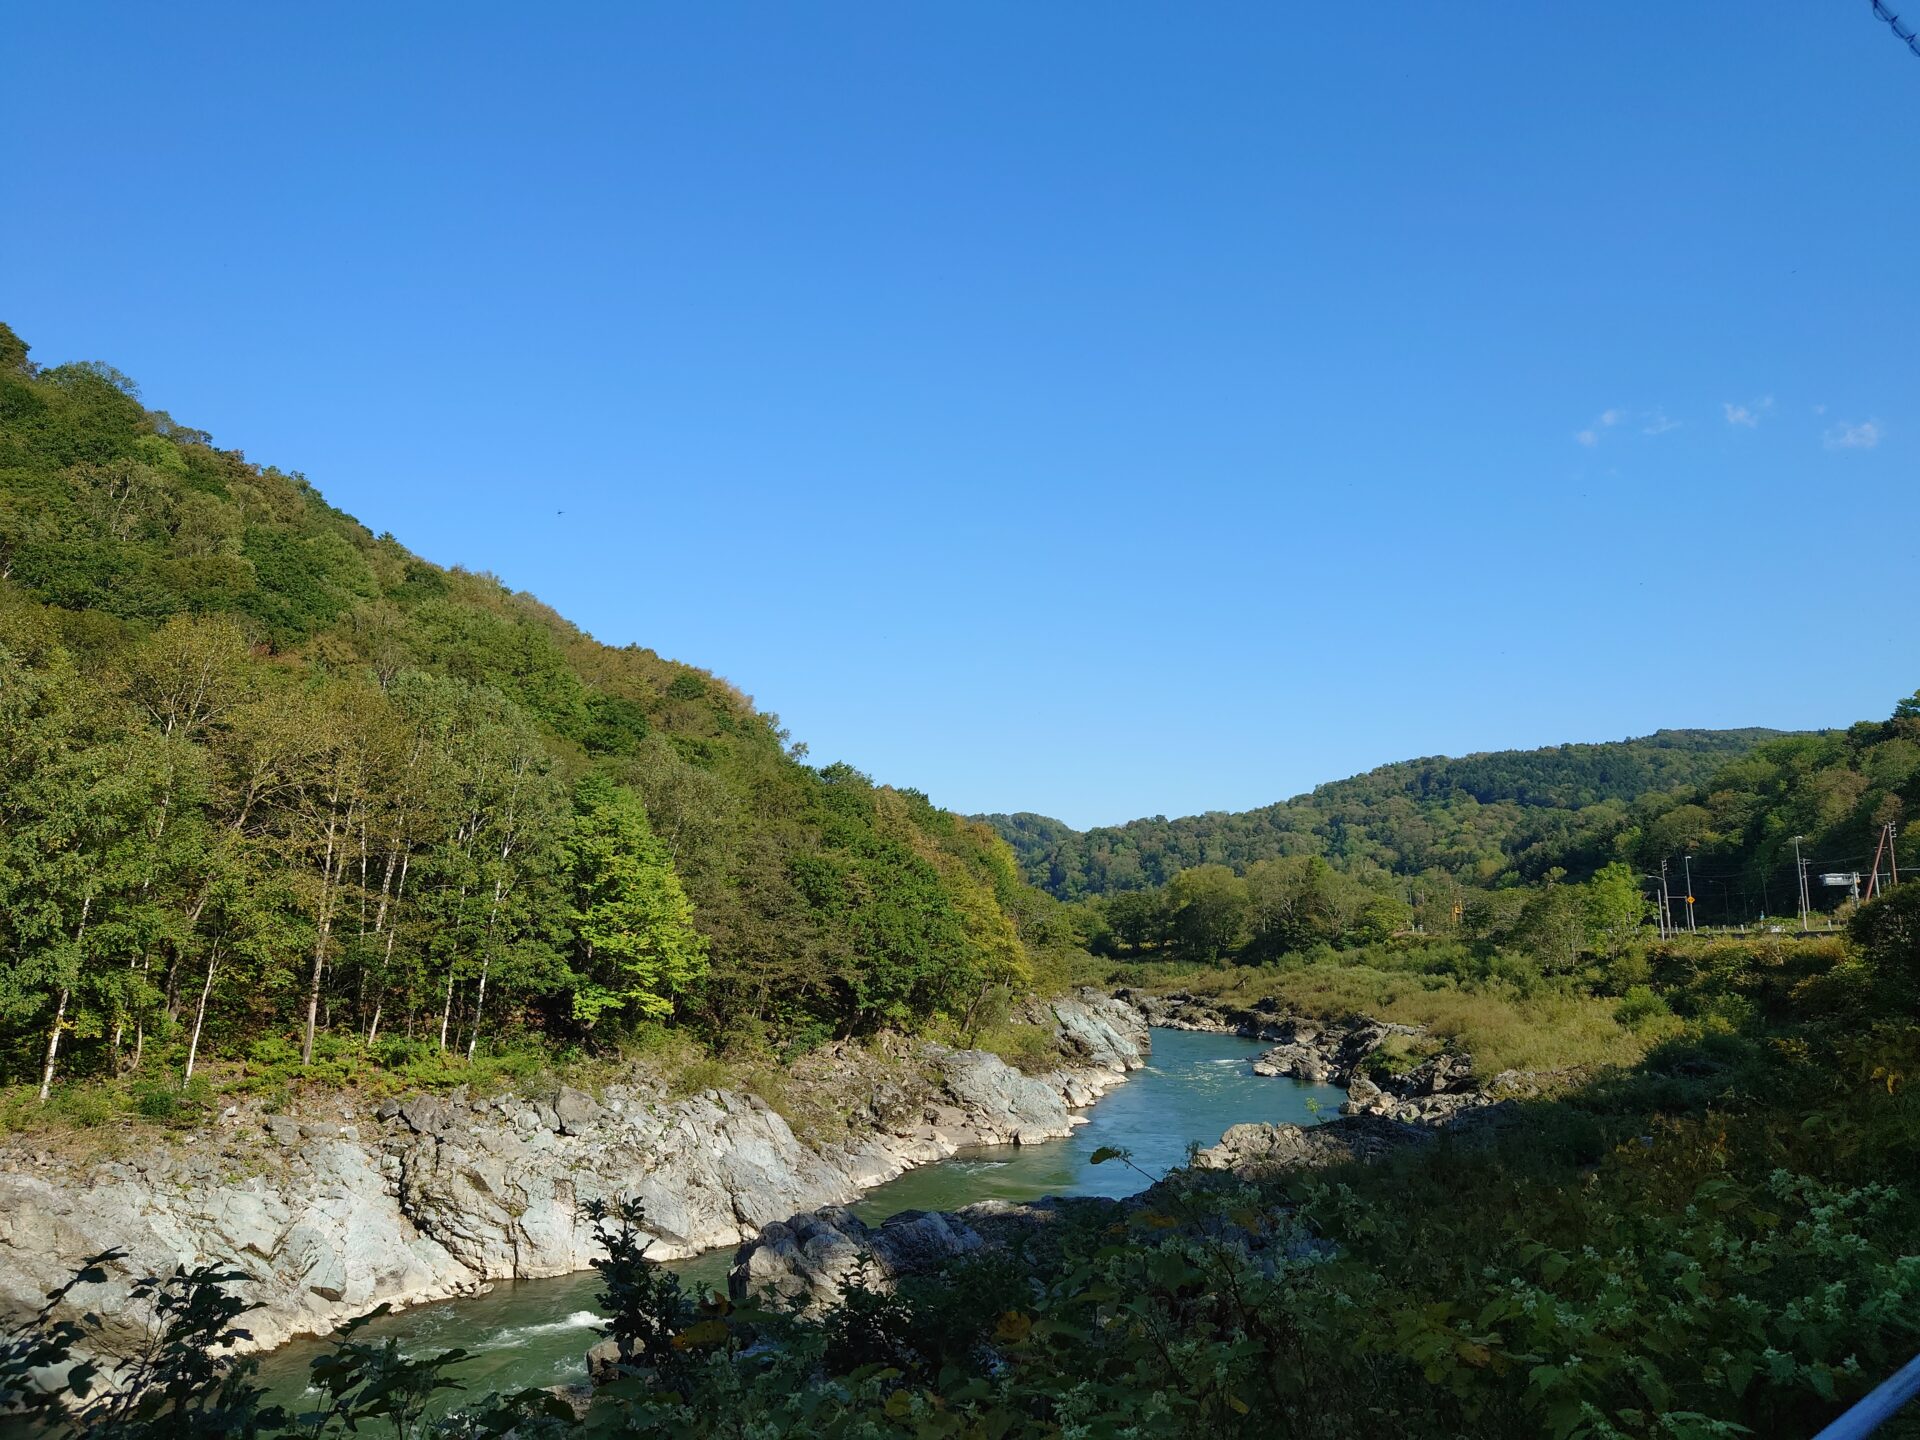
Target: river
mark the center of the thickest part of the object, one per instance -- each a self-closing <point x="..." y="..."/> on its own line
<point x="536" y="1332"/>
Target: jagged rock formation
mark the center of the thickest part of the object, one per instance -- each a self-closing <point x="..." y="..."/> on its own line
<point x="1253" y="1150"/>
<point x="331" y="1215"/>
<point x="812" y="1256"/>
<point x="806" y="1261"/>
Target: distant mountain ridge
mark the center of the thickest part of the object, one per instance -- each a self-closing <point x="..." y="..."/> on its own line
<point x="1474" y="816"/>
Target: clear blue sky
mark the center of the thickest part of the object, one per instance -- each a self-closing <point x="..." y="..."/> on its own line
<point x="1100" y="409"/>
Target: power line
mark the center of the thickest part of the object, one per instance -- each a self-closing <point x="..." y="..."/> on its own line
<point x="1897" y="25"/>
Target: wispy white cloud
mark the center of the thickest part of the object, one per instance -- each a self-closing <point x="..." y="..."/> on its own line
<point x="1606" y="420"/>
<point x="1846" y="436"/>
<point x="1748" y="414"/>
<point x="1650" y="422"/>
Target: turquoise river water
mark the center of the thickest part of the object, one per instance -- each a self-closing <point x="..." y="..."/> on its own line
<point x="536" y="1332"/>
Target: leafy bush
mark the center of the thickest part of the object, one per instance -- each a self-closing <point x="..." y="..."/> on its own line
<point x="161" y="1098"/>
<point x="1029" y="1048"/>
<point x="699" y="1075"/>
<point x="85" y="1105"/>
<point x="1640" y="1005"/>
<point x="272" y="1052"/>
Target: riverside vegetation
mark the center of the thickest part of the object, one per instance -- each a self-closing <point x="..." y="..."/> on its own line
<point x="1721" y="1240"/>
<point x="286" y="808"/>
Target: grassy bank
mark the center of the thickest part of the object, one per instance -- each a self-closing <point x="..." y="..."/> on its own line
<point x="1505" y="1014"/>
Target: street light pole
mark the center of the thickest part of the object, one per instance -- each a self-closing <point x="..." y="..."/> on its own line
<point x="1800" y="878"/>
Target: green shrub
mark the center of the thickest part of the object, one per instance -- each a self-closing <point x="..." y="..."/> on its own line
<point x="84" y="1105"/>
<point x="804" y="1040"/>
<point x="1031" y="1049"/>
<point x="704" y="1074"/>
<point x="272" y="1052"/>
<point x="1640" y="1005"/>
<point x="398" y="1052"/>
<point x="162" y="1098"/>
<point x="513" y="1064"/>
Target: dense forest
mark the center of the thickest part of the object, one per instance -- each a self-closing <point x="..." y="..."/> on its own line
<point x="1475" y="819"/>
<point x="1836" y="792"/>
<point x="272" y="785"/>
<point x="1337" y="868"/>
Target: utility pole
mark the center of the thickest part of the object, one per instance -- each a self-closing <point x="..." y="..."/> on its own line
<point x="1893" y="855"/>
<point x="1873" y="883"/>
<point x="1666" y="903"/>
<point x="1800" y="874"/>
<point x="1687" y="861"/>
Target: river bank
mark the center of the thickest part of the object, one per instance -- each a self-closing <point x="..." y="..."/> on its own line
<point x="328" y="1213"/>
<point x="537" y="1333"/>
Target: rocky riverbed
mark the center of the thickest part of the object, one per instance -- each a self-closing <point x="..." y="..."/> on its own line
<point x="805" y="1259"/>
<point x="330" y="1213"/>
<point x="1436" y="1089"/>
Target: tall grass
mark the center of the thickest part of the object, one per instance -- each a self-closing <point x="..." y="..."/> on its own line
<point x="1501" y="1024"/>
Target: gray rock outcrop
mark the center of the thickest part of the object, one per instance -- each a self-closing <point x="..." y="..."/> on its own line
<point x="806" y="1260"/>
<point x="1260" y="1149"/>
<point x="437" y="1195"/>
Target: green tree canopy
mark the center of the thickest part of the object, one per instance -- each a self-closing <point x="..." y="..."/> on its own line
<point x="637" y="946"/>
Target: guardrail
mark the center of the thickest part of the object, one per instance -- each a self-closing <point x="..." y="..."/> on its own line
<point x="1877" y="1406"/>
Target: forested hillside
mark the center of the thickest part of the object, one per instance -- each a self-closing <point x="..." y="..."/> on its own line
<point x="1832" y="802"/>
<point x="1836" y="792"/>
<point x="271" y="783"/>
<point x="1473" y="818"/>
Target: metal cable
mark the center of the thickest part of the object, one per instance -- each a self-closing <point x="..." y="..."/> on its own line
<point x="1897" y="25"/>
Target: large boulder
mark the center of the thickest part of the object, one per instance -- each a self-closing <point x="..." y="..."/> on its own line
<point x="1365" y="1098"/>
<point x="1445" y="1073"/>
<point x="807" y="1260"/>
<point x="1102" y="1031"/>
<point x="1351" y="1045"/>
<point x="1298" y="1059"/>
<point x="1260" y="1149"/>
<point x="1002" y="1105"/>
<point x="575" y="1111"/>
